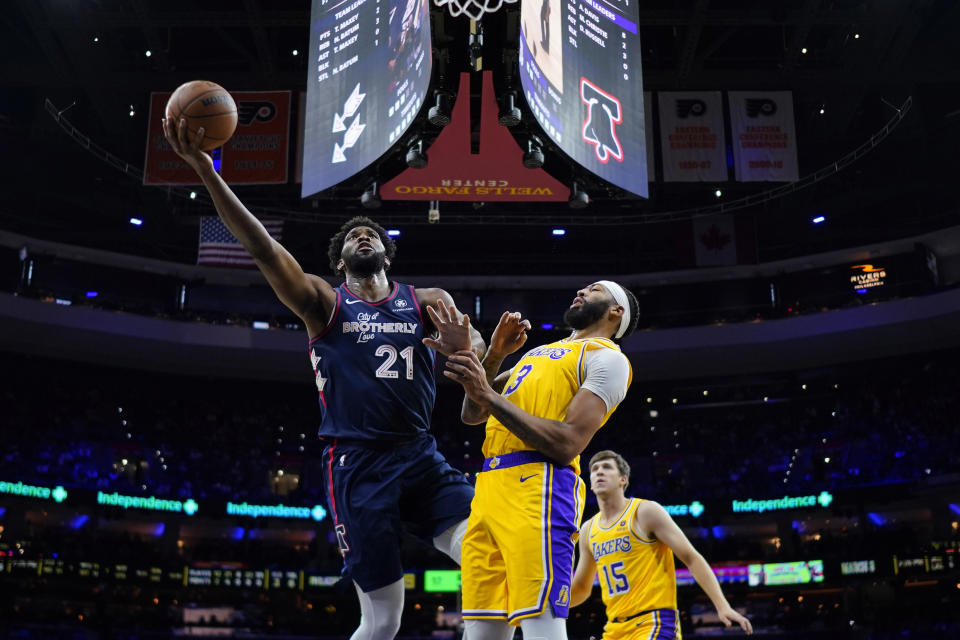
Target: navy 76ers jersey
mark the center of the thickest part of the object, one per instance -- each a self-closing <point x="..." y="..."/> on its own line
<point x="373" y="372"/>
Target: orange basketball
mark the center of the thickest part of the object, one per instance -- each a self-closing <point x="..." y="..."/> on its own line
<point x="204" y="104"/>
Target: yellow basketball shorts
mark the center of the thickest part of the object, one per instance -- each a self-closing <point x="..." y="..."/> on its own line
<point x="517" y="553"/>
<point x="657" y="624"/>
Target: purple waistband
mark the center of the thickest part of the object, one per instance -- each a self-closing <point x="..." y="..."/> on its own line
<point x="507" y="460"/>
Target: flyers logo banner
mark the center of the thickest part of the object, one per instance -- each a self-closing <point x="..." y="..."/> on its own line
<point x="695" y="108"/>
<point x="604" y="113"/>
<point x="257" y="153"/>
<point x="249" y="109"/>
<point x="763" y="136"/>
<point x="692" y="136"/>
<point x="760" y="107"/>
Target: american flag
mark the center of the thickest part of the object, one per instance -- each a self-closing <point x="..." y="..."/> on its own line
<point x="218" y="247"/>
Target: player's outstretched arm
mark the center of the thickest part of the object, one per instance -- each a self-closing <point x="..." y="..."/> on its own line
<point x="561" y="441"/>
<point x="451" y="329"/>
<point x="470" y="411"/>
<point x="509" y="335"/>
<point x="582" y="584"/>
<point x="652" y="519"/>
<point x="308" y="296"/>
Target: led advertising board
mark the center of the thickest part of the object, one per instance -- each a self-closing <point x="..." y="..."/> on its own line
<point x="441" y="581"/>
<point x="782" y="573"/>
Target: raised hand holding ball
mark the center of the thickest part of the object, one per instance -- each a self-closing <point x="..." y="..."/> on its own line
<point x="204" y="104"/>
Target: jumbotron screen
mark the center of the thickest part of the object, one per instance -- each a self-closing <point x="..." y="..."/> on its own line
<point x="367" y="77"/>
<point x="580" y="72"/>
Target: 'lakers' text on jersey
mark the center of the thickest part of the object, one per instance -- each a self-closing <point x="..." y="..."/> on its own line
<point x="373" y="373"/>
<point x="636" y="574"/>
<point x="543" y="383"/>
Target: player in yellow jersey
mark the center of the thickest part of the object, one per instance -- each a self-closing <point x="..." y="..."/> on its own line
<point x="630" y="545"/>
<point x="517" y="553"/>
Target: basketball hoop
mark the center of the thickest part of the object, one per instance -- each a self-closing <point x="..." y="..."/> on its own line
<point x="474" y="9"/>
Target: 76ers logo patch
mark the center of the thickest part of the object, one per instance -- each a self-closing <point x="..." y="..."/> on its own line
<point x="341" y="530"/>
<point x="600" y="127"/>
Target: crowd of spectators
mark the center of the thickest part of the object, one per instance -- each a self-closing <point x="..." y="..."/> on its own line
<point x="139" y="432"/>
<point x="859" y="425"/>
<point x="180" y="436"/>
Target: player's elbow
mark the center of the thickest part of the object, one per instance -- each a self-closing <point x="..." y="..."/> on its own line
<point x="564" y="450"/>
<point x="690" y="557"/>
<point x="472" y="417"/>
<point x="561" y="454"/>
<point x="264" y="250"/>
<point x="579" y="594"/>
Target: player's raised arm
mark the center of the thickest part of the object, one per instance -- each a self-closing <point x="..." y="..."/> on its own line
<point x="451" y="329"/>
<point x="509" y="335"/>
<point x="651" y="519"/>
<point x="308" y="296"/>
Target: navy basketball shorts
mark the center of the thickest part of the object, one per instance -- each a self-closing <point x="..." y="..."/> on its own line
<point x="376" y="493"/>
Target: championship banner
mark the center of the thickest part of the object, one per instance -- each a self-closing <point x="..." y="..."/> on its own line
<point x="258" y="151"/>
<point x="301" y="129"/>
<point x="764" y="137"/>
<point x="161" y="165"/>
<point x="692" y="142"/>
<point x="648" y="129"/>
<point x="256" y="154"/>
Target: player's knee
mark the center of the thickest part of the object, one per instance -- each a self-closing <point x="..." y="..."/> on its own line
<point x="378" y="625"/>
<point x="386" y="626"/>
<point x="487" y="630"/>
<point x="544" y="627"/>
<point x="450" y="541"/>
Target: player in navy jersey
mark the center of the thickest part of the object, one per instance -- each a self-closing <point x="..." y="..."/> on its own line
<point x="372" y="344"/>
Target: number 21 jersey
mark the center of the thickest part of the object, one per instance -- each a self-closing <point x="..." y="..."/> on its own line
<point x="374" y="375"/>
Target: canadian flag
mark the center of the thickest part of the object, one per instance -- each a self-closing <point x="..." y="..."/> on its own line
<point x="717" y="241"/>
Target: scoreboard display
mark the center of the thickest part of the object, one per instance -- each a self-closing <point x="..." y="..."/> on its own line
<point x="367" y="77"/>
<point x="580" y="71"/>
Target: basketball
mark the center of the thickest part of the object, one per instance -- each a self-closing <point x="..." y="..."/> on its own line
<point x="204" y="104"/>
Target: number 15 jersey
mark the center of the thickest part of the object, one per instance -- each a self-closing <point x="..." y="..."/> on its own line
<point x="374" y="375"/>
<point x="636" y="574"/>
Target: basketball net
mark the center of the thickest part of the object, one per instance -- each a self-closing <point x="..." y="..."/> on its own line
<point x="474" y="9"/>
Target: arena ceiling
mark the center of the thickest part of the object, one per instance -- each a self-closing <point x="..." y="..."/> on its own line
<point x="863" y="59"/>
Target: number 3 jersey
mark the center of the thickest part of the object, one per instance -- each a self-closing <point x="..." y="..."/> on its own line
<point x="636" y="574"/>
<point x="545" y="380"/>
<point x="374" y="375"/>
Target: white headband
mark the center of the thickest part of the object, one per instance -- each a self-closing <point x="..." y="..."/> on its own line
<point x="620" y="296"/>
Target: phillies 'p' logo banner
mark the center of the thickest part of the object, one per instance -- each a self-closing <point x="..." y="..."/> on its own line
<point x="600" y="127"/>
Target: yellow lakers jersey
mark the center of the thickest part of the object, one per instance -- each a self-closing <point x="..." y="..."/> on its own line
<point x="635" y="574"/>
<point x="543" y="383"/>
